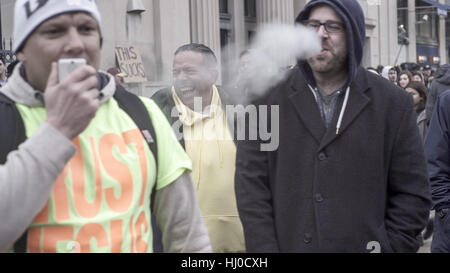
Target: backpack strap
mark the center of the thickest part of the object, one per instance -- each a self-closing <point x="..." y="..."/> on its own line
<point x="136" y="109"/>
<point x="12" y="134"/>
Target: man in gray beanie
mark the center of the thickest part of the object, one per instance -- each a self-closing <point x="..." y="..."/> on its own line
<point x="105" y="191"/>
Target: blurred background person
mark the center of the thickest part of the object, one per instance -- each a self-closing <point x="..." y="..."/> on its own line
<point x="10" y="68"/>
<point x="2" y="72"/>
<point x="440" y="84"/>
<point x="426" y="71"/>
<point x="430" y="79"/>
<point x="419" y="94"/>
<point x="438" y="155"/>
<point x="417" y="76"/>
<point x="409" y="66"/>
<point x="404" y="78"/>
<point x="390" y="73"/>
<point x="380" y="69"/>
<point x="117" y="74"/>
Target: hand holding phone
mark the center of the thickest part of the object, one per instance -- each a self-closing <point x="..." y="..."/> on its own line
<point x="67" y="66"/>
<point x="72" y="103"/>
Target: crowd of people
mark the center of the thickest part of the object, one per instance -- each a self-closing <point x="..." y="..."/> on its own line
<point x="89" y="167"/>
<point x="426" y="85"/>
<point x="416" y="80"/>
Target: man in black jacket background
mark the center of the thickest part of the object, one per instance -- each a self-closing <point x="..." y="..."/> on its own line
<point x="440" y="84"/>
<point x="438" y="155"/>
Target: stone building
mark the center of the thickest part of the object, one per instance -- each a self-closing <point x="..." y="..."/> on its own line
<point x="155" y="28"/>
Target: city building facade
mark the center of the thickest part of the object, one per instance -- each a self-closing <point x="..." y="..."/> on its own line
<point x="141" y="35"/>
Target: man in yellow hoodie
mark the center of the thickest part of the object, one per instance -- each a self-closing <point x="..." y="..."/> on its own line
<point x="195" y="107"/>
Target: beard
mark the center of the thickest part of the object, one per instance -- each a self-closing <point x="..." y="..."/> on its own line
<point x="328" y="62"/>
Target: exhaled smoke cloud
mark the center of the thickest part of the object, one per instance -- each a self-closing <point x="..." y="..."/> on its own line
<point x="271" y="54"/>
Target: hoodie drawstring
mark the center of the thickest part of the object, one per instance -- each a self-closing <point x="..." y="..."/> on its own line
<point x="344" y="106"/>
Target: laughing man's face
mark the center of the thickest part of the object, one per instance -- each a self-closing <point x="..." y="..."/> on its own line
<point x="192" y="77"/>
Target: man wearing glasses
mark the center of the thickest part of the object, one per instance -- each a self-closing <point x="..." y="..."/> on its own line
<point x="347" y="176"/>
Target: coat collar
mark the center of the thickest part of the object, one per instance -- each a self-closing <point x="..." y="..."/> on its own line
<point x="306" y="106"/>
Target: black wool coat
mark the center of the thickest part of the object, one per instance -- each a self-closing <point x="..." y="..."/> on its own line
<point x="365" y="189"/>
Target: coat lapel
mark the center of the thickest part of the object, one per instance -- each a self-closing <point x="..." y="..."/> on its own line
<point x="357" y="101"/>
<point x="306" y="107"/>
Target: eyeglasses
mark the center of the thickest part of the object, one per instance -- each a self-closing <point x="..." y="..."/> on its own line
<point x="330" y="26"/>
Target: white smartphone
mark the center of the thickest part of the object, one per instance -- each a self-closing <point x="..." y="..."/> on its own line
<point x="66" y="66"/>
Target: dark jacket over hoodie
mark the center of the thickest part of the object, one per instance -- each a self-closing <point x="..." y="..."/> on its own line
<point x="323" y="192"/>
<point x="437" y="150"/>
<point x="440" y="84"/>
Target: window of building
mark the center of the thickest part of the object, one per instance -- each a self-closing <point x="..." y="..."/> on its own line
<point x="225" y="23"/>
<point x="223" y="6"/>
<point x="250" y="18"/>
<point x="427" y="23"/>
<point x="224" y="38"/>
<point x="250" y="8"/>
<point x="402" y="17"/>
<point x="225" y="15"/>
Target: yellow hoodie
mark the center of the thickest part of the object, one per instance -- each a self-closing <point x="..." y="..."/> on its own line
<point x="213" y="153"/>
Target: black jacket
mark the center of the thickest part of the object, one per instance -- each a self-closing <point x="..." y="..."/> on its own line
<point x="440" y="84"/>
<point x="437" y="150"/>
<point x="322" y="192"/>
<point x="163" y="98"/>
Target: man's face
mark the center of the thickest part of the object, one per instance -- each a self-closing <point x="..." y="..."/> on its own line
<point x="392" y="75"/>
<point x="70" y="35"/>
<point x="192" y="77"/>
<point x="333" y="56"/>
